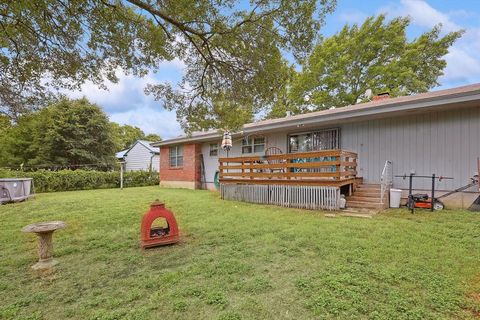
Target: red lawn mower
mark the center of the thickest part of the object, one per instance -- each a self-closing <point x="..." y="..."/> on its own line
<point x="423" y="201"/>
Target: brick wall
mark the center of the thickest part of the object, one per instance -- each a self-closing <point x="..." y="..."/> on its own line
<point x="188" y="173"/>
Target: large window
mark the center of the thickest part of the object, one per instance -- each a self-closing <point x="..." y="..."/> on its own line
<point x="213" y="149"/>
<point x="176" y="156"/>
<point x="314" y="141"/>
<point x="252" y="145"/>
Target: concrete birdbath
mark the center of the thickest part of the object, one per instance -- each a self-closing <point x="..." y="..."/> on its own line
<point x="44" y="231"/>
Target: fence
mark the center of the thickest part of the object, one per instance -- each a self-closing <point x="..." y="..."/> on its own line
<point x="293" y="196"/>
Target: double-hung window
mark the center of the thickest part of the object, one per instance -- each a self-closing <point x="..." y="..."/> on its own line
<point x="176" y="156"/>
<point x="253" y="145"/>
<point x="213" y="149"/>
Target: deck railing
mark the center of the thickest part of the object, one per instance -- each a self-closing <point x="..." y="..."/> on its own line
<point x="326" y="167"/>
<point x="386" y="180"/>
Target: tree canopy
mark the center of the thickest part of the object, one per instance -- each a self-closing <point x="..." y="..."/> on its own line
<point x="376" y="55"/>
<point x="231" y="49"/>
<point x="126" y="135"/>
<point x="152" y="137"/>
<point x="69" y="132"/>
<point x="65" y="133"/>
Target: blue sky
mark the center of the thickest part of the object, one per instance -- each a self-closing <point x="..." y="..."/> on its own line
<point x="126" y="103"/>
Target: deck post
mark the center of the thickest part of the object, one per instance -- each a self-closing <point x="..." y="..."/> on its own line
<point x="338" y="167"/>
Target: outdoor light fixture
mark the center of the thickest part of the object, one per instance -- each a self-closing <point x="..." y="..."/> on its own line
<point x="227" y="141"/>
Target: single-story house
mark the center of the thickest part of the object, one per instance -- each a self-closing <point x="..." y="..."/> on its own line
<point x="141" y="156"/>
<point x="366" y="144"/>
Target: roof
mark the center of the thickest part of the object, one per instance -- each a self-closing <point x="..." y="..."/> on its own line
<point x="145" y="143"/>
<point x="465" y="96"/>
<point x="121" y="154"/>
<point x="148" y="145"/>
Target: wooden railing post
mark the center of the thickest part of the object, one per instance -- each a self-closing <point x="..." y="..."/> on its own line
<point x="347" y="164"/>
<point x="220" y="169"/>
<point x="338" y="167"/>
<point x="251" y="169"/>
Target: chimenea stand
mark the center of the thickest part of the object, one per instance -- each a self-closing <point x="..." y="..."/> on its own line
<point x="152" y="236"/>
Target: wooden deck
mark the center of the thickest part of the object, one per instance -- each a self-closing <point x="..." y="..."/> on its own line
<point x="334" y="168"/>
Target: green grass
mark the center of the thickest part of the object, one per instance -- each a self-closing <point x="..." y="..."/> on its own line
<point x="237" y="261"/>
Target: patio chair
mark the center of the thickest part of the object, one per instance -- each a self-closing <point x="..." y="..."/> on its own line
<point x="274" y="151"/>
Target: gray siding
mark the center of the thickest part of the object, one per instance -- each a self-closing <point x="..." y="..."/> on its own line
<point x="139" y="157"/>
<point x="445" y="143"/>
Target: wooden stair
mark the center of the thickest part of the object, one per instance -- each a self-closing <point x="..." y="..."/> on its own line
<point x="366" y="200"/>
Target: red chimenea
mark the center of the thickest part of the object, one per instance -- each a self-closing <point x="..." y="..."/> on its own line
<point x="158" y="236"/>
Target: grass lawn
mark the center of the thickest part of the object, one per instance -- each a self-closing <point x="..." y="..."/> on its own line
<point x="237" y="261"/>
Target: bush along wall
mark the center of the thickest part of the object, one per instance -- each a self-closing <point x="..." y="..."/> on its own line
<point x="69" y="180"/>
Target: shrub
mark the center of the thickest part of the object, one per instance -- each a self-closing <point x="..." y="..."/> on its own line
<point x="68" y="180"/>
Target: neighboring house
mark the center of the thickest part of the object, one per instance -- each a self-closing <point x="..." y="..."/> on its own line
<point x="140" y="156"/>
<point x="435" y="132"/>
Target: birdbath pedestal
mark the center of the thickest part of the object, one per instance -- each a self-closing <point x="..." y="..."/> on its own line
<point x="44" y="231"/>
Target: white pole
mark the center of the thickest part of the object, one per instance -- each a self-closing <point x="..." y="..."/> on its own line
<point x="121" y="175"/>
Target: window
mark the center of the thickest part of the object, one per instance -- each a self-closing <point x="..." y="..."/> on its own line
<point x="314" y="141"/>
<point x="256" y="144"/>
<point x="213" y="149"/>
<point x="176" y="156"/>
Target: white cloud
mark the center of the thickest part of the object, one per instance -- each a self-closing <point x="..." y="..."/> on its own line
<point x="126" y="103"/>
<point x="461" y="66"/>
<point x="352" y="17"/>
<point x="463" y="60"/>
<point x="424" y="15"/>
<point x="151" y="120"/>
<point x="124" y="95"/>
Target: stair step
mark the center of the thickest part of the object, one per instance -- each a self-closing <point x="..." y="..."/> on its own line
<point x="366" y="194"/>
<point x="358" y="197"/>
<point x="364" y="204"/>
<point x="364" y="187"/>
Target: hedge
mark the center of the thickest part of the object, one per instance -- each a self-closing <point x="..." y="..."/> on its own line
<point x="68" y="180"/>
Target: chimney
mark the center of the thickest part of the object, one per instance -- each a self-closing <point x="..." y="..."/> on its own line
<point x="381" y="96"/>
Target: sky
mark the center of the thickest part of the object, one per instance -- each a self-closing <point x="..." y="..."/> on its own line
<point x="126" y="103"/>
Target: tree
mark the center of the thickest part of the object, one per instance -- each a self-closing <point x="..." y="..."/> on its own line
<point x="376" y="56"/>
<point x="230" y="48"/>
<point x="152" y="137"/>
<point x="126" y="135"/>
<point x="69" y="132"/>
<point x="5" y="126"/>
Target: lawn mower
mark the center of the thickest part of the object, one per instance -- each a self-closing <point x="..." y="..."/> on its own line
<point x="423" y="201"/>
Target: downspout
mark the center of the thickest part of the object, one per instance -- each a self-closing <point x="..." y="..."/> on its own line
<point x="151" y="162"/>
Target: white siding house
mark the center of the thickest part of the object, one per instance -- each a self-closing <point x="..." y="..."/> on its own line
<point x="141" y="156"/>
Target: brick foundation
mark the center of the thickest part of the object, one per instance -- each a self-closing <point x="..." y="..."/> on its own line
<point x="187" y="176"/>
